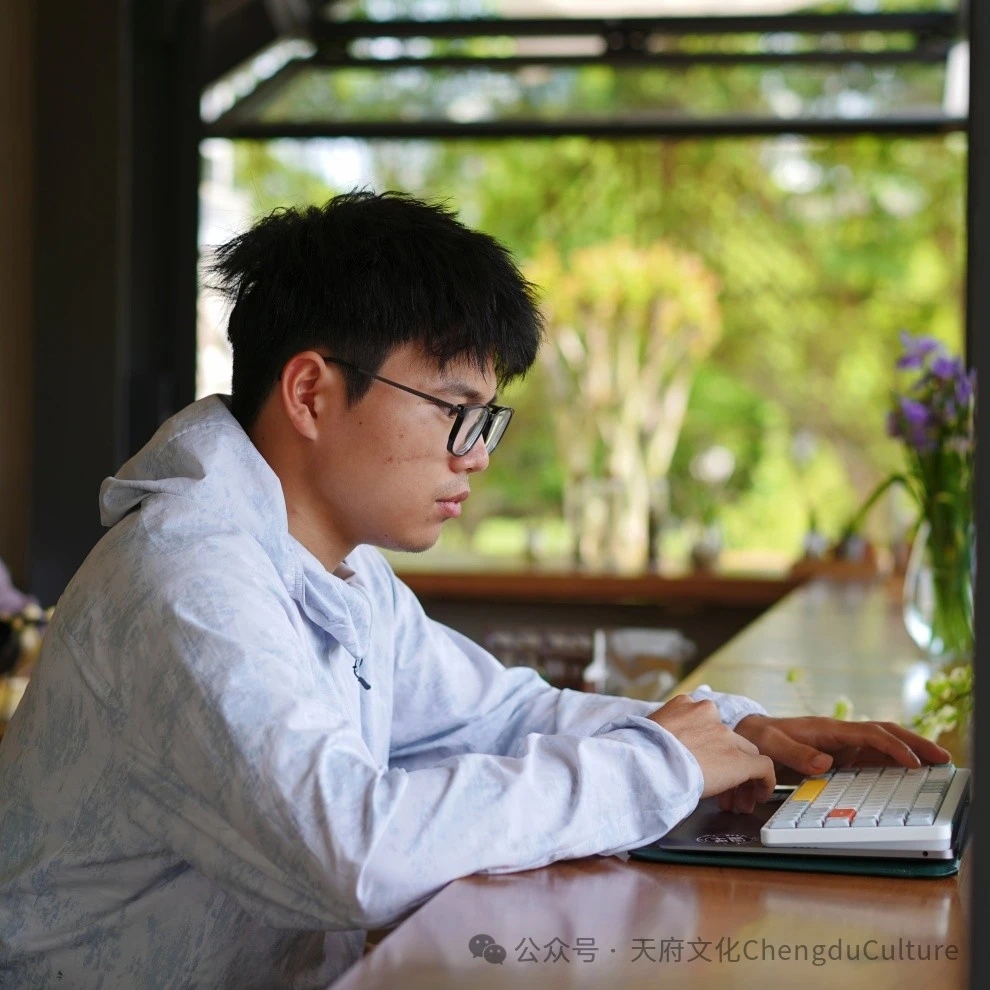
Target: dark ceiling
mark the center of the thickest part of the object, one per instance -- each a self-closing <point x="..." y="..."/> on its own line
<point x="236" y="29"/>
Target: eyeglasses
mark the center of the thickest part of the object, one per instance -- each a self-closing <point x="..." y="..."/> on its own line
<point x="471" y="421"/>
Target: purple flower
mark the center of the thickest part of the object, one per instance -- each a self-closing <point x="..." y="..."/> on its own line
<point x="933" y="412"/>
<point x="916" y="349"/>
<point x="916" y="419"/>
<point x="914" y="413"/>
<point x="964" y="387"/>
<point x="947" y="368"/>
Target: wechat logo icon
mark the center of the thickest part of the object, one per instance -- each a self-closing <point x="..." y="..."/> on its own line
<point x="487" y="948"/>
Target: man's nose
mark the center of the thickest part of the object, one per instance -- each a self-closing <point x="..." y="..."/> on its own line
<point x="476" y="459"/>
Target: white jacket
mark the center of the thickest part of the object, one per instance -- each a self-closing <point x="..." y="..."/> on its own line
<point x="197" y="790"/>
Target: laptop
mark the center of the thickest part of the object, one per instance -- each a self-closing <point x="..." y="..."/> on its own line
<point x="873" y="820"/>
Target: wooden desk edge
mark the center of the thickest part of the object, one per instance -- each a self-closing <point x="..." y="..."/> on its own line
<point x="535" y="586"/>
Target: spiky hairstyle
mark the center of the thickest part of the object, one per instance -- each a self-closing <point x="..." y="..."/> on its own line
<point x="362" y="275"/>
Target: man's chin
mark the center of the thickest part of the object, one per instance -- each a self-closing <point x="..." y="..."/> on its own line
<point x="420" y="547"/>
<point x="419" y="543"/>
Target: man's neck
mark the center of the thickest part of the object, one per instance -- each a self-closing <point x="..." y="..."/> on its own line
<point x="306" y="522"/>
<point x="317" y="537"/>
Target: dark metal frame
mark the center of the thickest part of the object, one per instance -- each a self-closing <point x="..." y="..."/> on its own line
<point x="978" y="354"/>
<point x="657" y="60"/>
<point x="930" y="23"/>
<point x="625" y="127"/>
<point x="625" y="41"/>
<point x="625" y="44"/>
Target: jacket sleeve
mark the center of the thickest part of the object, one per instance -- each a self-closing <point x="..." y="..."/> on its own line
<point x="267" y="788"/>
<point x="458" y="698"/>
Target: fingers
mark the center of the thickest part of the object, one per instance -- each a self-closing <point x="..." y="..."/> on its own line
<point x="745" y="798"/>
<point x="850" y="756"/>
<point x="763" y="779"/>
<point x="758" y="788"/>
<point x="878" y="737"/>
<point x="758" y="785"/>
<point x="851" y="741"/>
<point x="924" y="748"/>
<point x="791" y="751"/>
<point x="801" y="746"/>
<point x="799" y="756"/>
<point x="741" y="799"/>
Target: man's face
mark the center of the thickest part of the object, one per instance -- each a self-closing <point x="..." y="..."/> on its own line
<point x="384" y="473"/>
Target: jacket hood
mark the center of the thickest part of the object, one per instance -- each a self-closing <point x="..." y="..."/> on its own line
<point x="203" y="455"/>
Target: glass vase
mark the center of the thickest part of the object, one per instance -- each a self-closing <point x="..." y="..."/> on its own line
<point x="938" y="596"/>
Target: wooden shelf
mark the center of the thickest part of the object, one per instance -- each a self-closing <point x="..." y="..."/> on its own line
<point x="542" y="586"/>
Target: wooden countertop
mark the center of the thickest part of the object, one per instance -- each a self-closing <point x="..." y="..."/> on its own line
<point x="835" y="639"/>
<point x="844" y="639"/>
<point x="720" y="915"/>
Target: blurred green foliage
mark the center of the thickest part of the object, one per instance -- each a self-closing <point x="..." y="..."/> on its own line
<point x="271" y="181"/>
<point x="627" y="327"/>
<point x="824" y="251"/>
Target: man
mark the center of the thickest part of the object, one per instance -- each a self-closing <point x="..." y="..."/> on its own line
<point x="245" y="743"/>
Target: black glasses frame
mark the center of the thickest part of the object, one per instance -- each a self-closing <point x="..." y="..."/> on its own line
<point x="494" y="414"/>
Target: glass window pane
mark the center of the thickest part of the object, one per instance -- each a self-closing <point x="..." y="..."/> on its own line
<point x="821" y="251"/>
<point x="600" y="93"/>
<point x="435" y="10"/>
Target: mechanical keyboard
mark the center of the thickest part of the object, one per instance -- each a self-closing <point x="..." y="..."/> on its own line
<point x="872" y="808"/>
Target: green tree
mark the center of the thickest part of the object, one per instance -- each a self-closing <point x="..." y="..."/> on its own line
<point x="628" y="328"/>
<point x="270" y="181"/>
<point x="825" y="250"/>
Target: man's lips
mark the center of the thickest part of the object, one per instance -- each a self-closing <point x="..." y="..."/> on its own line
<point x="452" y="506"/>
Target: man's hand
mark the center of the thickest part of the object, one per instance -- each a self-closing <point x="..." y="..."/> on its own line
<point x="727" y="760"/>
<point x="814" y="744"/>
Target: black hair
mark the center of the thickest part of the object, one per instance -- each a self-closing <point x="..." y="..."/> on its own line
<point x="362" y="275"/>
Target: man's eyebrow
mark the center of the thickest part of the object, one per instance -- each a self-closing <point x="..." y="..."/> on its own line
<point x="468" y="392"/>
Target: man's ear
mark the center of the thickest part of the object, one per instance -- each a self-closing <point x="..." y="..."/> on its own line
<point x="307" y="390"/>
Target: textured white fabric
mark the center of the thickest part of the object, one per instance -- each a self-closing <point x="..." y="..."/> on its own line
<point x="196" y="790"/>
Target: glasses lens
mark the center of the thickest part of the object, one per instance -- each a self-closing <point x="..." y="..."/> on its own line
<point x="472" y="424"/>
<point x="496" y="428"/>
